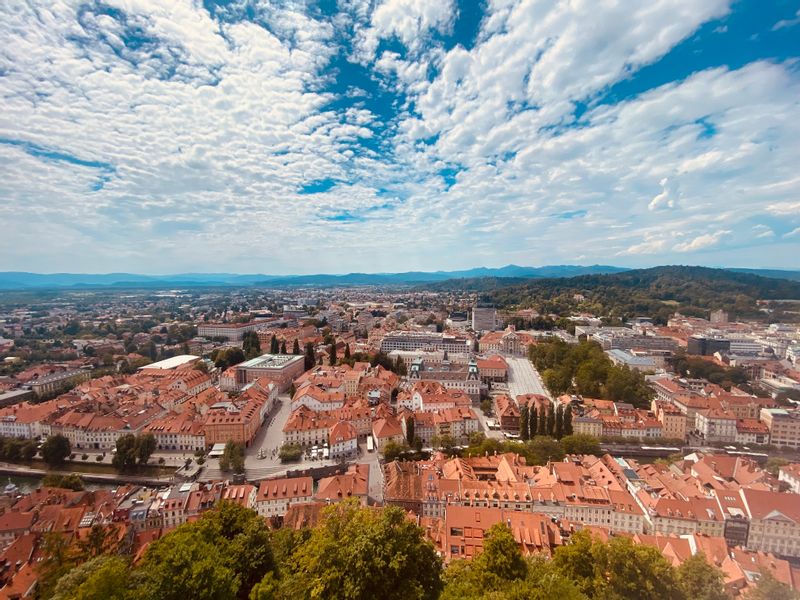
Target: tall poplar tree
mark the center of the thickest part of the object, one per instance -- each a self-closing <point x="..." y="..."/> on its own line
<point x="568" y="420"/>
<point x="524" y="431"/>
<point x="558" y="431"/>
<point x="541" y="426"/>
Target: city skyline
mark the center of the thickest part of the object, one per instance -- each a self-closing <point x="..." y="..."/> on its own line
<point x="338" y="137"/>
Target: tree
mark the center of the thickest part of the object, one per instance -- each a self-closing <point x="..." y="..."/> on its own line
<point x="100" y="540"/>
<point x="447" y="444"/>
<point x="567" y="427"/>
<point x="311" y="358"/>
<point x="296" y="347"/>
<point x="501" y="573"/>
<point x="524" y="432"/>
<point x="347" y="351"/>
<point x="266" y="589"/>
<point x="392" y="451"/>
<point x="774" y="463"/>
<point x="551" y="422"/>
<point x="501" y="555"/>
<point x="101" y="578"/>
<point x="769" y="588"/>
<point x="72" y="481"/>
<point x="251" y="345"/>
<point x="533" y="420"/>
<point x="290" y="452"/>
<point x="619" y="569"/>
<point x="542" y="449"/>
<point x="58" y="559"/>
<point x="125" y="457"/>
<point x="29" y="450"/>
<point x="273" y="345"/>
<point x="228" y="357"/>
<point x="145" y="446"/>
<point x="332" y="354"/>
<point x="55" y="450"/>
<point x="222" y="555"/>
<point x="700" y="580"/>
<point x="410" y="431"/>
<point x="580" y="443"/>
<point x="232" y="458"/>
<point x="360" y="553"/>
<point x="541" y="426"/>
<point x="283" y="347"/>
<point x="558" y="430"/>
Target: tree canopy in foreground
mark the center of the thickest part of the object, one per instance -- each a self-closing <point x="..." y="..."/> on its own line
<point x="357" y="553"/>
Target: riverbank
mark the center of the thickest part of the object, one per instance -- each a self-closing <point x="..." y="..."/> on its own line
<point x="9" y="469"/>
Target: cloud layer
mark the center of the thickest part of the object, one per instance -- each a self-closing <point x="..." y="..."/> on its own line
<point x="277" y="137"/>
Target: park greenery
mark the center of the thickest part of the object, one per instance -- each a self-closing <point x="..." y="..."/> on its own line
<point x="133" y="451"/>
<point x="585" y="369"/>
<point x="357" y="553"/>
<point x="56" y="450"/>
<point x="232" y="458"/>
<point x="227" y="357"/>
<point x="290" y="453"/>
<point x="72" y="481"/>
<point x="18" y="450"/>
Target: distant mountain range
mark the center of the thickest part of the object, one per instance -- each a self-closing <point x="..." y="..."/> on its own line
<point x="17" y="280"/>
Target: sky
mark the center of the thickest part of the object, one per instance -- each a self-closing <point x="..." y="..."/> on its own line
<point x="392" y="135"/>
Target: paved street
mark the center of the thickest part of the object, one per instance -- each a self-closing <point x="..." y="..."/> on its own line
<point x="270" y="436"/>
<point x="523" y="377"/>
<point x="375" y="473"/>
<point x="489" y="433"/>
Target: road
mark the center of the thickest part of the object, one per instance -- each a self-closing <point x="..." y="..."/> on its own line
<point x="523" y="378"/>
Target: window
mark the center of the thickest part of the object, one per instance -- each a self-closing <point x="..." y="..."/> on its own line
<point x="456" y="531"/>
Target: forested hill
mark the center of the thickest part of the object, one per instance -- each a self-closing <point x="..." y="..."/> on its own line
<point x="656" y="292"/>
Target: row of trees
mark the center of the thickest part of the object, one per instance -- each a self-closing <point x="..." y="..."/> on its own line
<point x="554" y="423"/>
<point x="357" y="553"/>
<point x="132" y="450"/>
<point x="538" y="450"/>
<point x="585" y="369"/>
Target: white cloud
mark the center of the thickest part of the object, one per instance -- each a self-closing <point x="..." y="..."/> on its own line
<point x="784" y="23"/>
<point x="666" y="198"/>
<point x="763" y="232"/>
<point x="793" y="233"/>
<point x="410" y="21"/>
<point x="649" y="246"/>
<point x="707" y="240"/>
<point x="212" y="127"/>
<point x="784" y="208"/>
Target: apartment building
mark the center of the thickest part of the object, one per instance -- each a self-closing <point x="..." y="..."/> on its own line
<point x="784" y="426"/>
<point x="275" y="496"/>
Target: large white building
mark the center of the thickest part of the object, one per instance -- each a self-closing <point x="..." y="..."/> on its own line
<point x="425" y="340"/>
<point x="484" y="318"/>
<point x="233" y="332"/>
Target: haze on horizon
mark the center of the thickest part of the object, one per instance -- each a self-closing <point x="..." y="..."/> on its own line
<point x="355" y="136"/>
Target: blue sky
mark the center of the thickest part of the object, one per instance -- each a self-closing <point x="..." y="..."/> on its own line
<point x="297" y="136"/>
